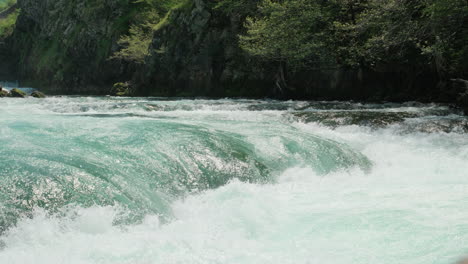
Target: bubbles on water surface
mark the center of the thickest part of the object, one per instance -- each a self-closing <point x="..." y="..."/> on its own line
<point x="124" y="180"/>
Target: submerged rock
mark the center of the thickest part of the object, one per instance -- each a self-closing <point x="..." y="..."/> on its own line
<point x="38" y="94"/>
<point x="17" y="93"/>
<point x="375" y="119"/>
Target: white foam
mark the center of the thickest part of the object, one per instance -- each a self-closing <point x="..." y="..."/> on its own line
<point x="345" y="217"/>
<point x="412" y="207"/>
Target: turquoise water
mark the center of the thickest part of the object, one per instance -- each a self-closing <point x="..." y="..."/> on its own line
<point x="148" y="180"/>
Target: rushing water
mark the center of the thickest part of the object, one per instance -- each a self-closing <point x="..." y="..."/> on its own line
<point x="109" y="180"/>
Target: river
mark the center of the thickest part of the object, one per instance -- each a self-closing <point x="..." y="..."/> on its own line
<point x="155" y="180"/>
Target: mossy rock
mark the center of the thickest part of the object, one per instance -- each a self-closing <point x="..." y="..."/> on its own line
<point x="17" y="93"/>
<point x="4" y="93"/>
<point x="121" y="89"/>
<point x="38" y="94"/>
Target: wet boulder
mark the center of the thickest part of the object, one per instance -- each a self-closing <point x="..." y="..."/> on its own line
<point x="17" y="93"/>
<point x="38" y="94"/>
<point x="4" y="92"/>
<point x="121" y="89"/>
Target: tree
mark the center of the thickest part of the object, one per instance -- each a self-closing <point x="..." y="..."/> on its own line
<point x="448" y="20"/>
<point x="422" y="33"/>
<point x="148" y="14"/>
<point x="135" y="45"/>
<point x="292" y="33"/>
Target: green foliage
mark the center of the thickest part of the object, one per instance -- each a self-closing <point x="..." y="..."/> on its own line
<point x="76" y="38"/>
<point x="237" y="7"/>
<point x="346" y="35"/>
<point x="7" y="25"/>
<point x="17" y="93"/>
<point x="429" y="34"/>
<point x="121" y="89"/>
<point x="73" y="41"/>
<point x="292" y="31"/>
<point x="425" y="33"/>
<point x="135" y="44"/>
<point x="5" y="4"/>
<point x="448" y="43"/>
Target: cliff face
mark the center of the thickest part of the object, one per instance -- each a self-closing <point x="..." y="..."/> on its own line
<point x="195" y="52"/>
<point x="64" y="44"/>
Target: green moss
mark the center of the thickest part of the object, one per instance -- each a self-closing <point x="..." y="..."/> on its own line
<point x="7" y="25"/>
<point x="121" y="89"/>
<point x="153" y="16"/>
<point x="5" y="4"/>
<point x="17" y="93"/>
<point x="4" y="93"/>
<point x="38" y="94"/>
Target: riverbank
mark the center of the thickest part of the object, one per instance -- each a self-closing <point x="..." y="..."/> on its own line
<point x="335" y="88"/>
<point x="199" y="48"/>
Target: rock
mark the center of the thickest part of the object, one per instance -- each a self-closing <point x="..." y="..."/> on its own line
<point x="459" y="84"/>
<point x="38" y="94"/>
<point x="17" y="93"/>
<point x="83" y="37"/>
<point x="121" y="89"/>
<point x="3" y="92"/>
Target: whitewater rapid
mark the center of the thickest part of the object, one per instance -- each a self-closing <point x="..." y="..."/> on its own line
<point x="152" y="180"/>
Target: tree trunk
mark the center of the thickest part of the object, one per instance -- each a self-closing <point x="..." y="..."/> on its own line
<point x="281" y="84"/>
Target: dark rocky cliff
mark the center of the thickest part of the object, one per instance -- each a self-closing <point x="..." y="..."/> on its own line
<point x="196" y="52"/>
<point x="64" y="45"/>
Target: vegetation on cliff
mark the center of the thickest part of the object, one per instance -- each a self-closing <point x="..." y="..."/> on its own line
<point x="340" y="49"/>
<point x="301" y="48"/>
<point x="68" y="45"/>
<point x="134" y="46"/>
<point x="430" y="35"/>
<point x="5" y="4"/>
<point x="8" y="15"/>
